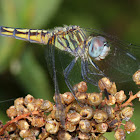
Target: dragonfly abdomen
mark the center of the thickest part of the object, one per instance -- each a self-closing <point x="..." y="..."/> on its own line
<point x="32" y="35"/>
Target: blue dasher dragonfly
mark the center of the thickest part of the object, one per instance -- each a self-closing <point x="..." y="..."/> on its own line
<point x="99" y="54"/>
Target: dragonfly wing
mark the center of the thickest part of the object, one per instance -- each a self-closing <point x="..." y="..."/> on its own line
<point x="50" y="58"/>
<point x="120" y="64"/>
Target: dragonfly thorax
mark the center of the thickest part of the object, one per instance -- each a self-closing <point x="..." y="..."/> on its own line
<point x="98" y="47"/>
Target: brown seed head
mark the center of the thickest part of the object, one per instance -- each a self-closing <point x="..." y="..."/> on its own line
<point x="70" y="126"/>
<point x="105" y="83"/>
<point x="68" y="97"/>
<point x="52" y="126"/>
<point x="46" y="106"/>
<point x="85" y="126"/>
<point x="63" y="135"/>
<point x="120" y="96"/>
<point x="130" y="127"/>
<point x="119" y="134"/>
<point x="101" y="127"/>
<point x="28" y="99"/>
<point x="126" y="113"/>
<point x="73" y="117"/>
<point x="82" y="87"/>
<point x="11" y="112"/>
<point x="94" y="99"/>
<point x="100" y="116"/>
<point x="38" y="121"/>
<point x="111" y="100"/>
<point x="86" y="112"/>
<point x="136" y="77"/>
<point x="23" y="125"/>
<point x="110" y="112"/>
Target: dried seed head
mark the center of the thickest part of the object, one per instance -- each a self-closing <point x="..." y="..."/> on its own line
<point x="22" y="125"/>
<point x="21" y="110"/>
<point x="130" y="127"/>
<point x="136" y="77"/>
<point x="43" y="134"/>
<point x="58" y="112"/>
<point x="85" y="126"/>
<point x="83" y="136"/>
<point x="119" y="134"/>
<point x="74" y="117"/>
<point x="120" y="96"/>
<point x="111" y="100"/>
<point x="82" y="87"/>
<point x="101" y="127"/>
<point x="82" y="97"/>
<point x="94" y="99"/>
<point x="19" y="101"/>
<point x="105" y="83"/>
<point x="100" y="116"/>
<point x="26" y="133"/>
<point x="110" y="112"/>
<point x="52" y="126"/>
<point x="68" y="97"/>
<point x="126" y="113"/>
<point x="74" y="106"/>
<point x="11" y="112"/>
<point x="38" y="103"/>
<point x="63" y="135"/>
<point x="46" y="106"/>
<point x="58" y="98"/>
<point x="38" y="121"/>
<point x="112" y="124"/>
<point x="70" y="127"/>
<point x="11" y="127"/>
<point x="86" y="112"/>
<point x="13" y="137"/>
<point x="75" y="88"/>
<point x="82" y="122"/>
<point x="35" y="130"/>
<point x="31" y="107"/>
<point x="113" y="89"/>
<point x="28" y="99"/>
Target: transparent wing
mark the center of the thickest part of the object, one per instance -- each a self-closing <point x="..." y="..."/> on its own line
<point x="51" y="61"/>
<point x="121" y="63"/>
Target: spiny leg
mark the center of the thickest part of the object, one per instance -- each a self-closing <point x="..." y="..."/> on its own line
<point x="59" y="105"/>
<point x="84" y="73"/>
<point x="66" y="74"/>
<point x="85" y="70"/>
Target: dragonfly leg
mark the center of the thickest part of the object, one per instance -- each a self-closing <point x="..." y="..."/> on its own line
<point x="60" y="108"/>
<point x="96" y="67"/>
<point x="84" y="72"/>
<point x="66" y="74"/>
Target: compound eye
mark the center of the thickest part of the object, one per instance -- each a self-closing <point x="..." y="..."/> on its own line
<point x="96" y="46"/>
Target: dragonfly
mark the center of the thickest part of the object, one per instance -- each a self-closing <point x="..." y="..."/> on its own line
<point x="99" y="54"/>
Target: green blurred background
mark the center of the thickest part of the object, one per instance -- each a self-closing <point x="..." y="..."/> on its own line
<point x="23" y="68"/>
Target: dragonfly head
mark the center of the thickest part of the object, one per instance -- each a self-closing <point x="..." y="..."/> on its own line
<point x="98" y="47"/>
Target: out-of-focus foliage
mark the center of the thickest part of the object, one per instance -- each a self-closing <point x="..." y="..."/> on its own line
<point x="22" y="65"/>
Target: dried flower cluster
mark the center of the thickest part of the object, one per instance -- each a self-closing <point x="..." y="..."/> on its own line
<point x="87" y="119"/>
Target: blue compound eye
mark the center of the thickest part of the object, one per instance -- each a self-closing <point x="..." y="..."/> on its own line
<point x="96" y="46"/>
